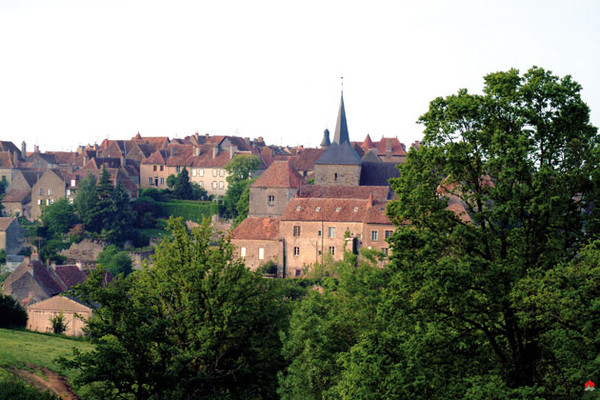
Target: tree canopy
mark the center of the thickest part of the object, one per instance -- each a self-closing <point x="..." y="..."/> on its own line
<point x="237" y="198"/>
<point x="196" y="324"/>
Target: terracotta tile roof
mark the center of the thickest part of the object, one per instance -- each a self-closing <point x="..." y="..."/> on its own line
<point x="305" y="160"/>
<point x="64" y="157"/>
<point x="180" y="155"/>
<point x="5" y="223"/>
<point x="159" y="157"/>
<point x="459" y="209"/>
<point x="206" y="160"/>
<point x="397" y="148"/>
<point x="380" y="193"/>
<point x="70" y="275"/>
<point x="16" y="196"/>
<point x="367" y="143"/>
<point x="254" y="228"/>
<point x="279" y="174"/>
<point x="6" y="160"/>
<point x="335" y="210"/>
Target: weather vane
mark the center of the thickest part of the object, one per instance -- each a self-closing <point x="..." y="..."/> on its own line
<point x="342" y="78"/>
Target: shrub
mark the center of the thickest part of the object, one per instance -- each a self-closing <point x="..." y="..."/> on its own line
<point x="59" y="323"/>
<point x="12" y="314"/>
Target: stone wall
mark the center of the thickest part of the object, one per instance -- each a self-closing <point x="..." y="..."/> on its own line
<point x="271" y="250"/>
<point x="260" y="205"/>
<point x="345" y="175"/>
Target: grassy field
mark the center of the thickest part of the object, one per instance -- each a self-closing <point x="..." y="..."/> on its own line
<point x="19" y="348"/>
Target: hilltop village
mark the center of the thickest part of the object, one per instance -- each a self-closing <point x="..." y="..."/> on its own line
<point x="305" y="204"/>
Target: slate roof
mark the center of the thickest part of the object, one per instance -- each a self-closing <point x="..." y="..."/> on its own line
<point x="9" y="146"/>
<point x="371" y="156"/>
<point x="339" y="154"/>
<point x="254" y="228"/>
<point x="379" y="193"/>
<point x="279" y="174"/>
<point x="378" y="173"/>
<point x="336" y="210"/>
<point x="341" y="128"/>
<point x="16" y="196"/>
<point x="326" y="141"/>
<point x="71" y="275"/>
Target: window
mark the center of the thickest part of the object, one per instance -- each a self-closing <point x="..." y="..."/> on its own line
<point x="243" y="252"/>
<point x="338" y="209"/>
<point x="221" y="172"/>
<point x="154" y="168"/>
<point x="201" y="172"/>
<point x="40" y="201"/>
<point x="214" y="184"/>
<point x="355" y="209"/>
<point x="150" y="181"/>
<point x="374" y="235"/>
<point x="296" y="251"/>
<point x="194" y="171"/>
<point x="318" y="209"/>
<point x="178" y="168"/>
<point x="296" y="230"/>
<point x="388" y="234"/>
<point x="214" y="172"/>
<point x="385" y="251"/>
<point x="319" y="233"/>
<point x="47" y="202"/>
<point x="221" y="185"/>
<point x="271" y="200"/>
<point x="331" y="232"/>
<point x="332" y="250"/>
<point x="162" y="167"/>
<point x="298" y="208"/>
<point x="162" y="181"/>
<point x="335" y="176"/>
<point x="73" y="182"/>
<point x="50" y="192"/>
<point x="261" y="253"/>
<point x="41" y="191"/>
<point x="201" y="184"/>
<point x="298" y="272"/>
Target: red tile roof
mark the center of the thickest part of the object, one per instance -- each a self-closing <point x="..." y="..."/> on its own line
<point x="279" y="174"/>
<point x="254" y="228"/>
<point x="335" y="210"/>
<point x="380" y="193"/>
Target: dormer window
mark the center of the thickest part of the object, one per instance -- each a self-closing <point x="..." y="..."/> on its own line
<point x="318" y="209"/>
<point x="355" y="209"/>
<point x="298" y="208"/>
<point x="338" y="209"/>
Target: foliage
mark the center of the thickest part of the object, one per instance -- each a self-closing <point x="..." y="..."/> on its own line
<point x="188" y="210"/>
<point x="198" y="324"/>
<point x="12" y="314"/>
<point x="59" y="217"/>
<point x="268" y="268"/>
<point x="104" y="209"/>
<point x="2" y="256"/>
<point x="237" y="198"/>
<point x="50" y="251"/>
<point x="153" y="193"/>
<point x="457" y="322"/>
<point x="171" y="179"/>
<point x="117" y="262"/>
<point x="198" y="192"/>
<point x="326" y="324"/>
<point x="12" y="388"/>
<point x="183" y="188"/>
<point x="59" y="323"/>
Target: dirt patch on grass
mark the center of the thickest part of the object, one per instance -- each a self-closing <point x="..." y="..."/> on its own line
<point x="44" y="379"/>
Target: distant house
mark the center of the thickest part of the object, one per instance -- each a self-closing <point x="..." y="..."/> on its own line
<point x="75" y="315"/>
<point x="50" y="187"/>
<point x="11" y="235"/>
<point x="257" y="241"/>
<point x="271" y="192"/>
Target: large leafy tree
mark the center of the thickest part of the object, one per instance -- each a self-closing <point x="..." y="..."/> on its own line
<point x="196" y="324"/>
<point x="182" y="188"/>
<point x="59" y="217"/>
<point x="240" y="170"/>
<point x="501" y="191"/>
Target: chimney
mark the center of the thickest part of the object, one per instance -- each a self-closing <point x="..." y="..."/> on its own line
<point x="388" y="145"/>
<point x="171" y="152"/>
<point x="23" y="149"/>
<point x="122" y="161"/>
<point x="36" y="148"/>
<point x="370" y="201"/>
<point x="215" y="151"/>
<point x="16" y="159"/>
<point x="196" y="151"/>
<point x="247" y="140"/>
<point x="35" y="256"/>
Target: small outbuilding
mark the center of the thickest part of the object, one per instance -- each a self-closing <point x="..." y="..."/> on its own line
<point x="75" y="315"/>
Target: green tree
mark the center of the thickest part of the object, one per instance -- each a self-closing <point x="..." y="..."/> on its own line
<point x="237" y="198"/>
<point x="59" y="323"/>
<point x="115" y="261"/>
<point x="12" y="314"/>
<point x="183" y="188"/>
<point x="85" y="203"/>
<point x="521" y="160"/>
<point x="197" y="324"/>
<point x="59" y="217"/>
<point x="198" y="192"/>
<point x="171" y="180"/>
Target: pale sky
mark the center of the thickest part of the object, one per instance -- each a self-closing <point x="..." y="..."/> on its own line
<point x="76" y="72"/>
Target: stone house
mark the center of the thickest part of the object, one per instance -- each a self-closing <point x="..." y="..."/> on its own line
<point x="256" y="241"/>
<point x="40" y="314"/>
<point x="50" y="187"/>
<point x="313" y="227"/>
<point x="272" y="190"/>
<point x="11" y="235"/>
<point x="154" y="171"/>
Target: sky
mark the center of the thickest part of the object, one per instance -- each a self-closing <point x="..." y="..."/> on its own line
<point x="76" y="72"/>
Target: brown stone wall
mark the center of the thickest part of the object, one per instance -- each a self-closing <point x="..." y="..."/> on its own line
<point x="380" y="243"/>
<point x="347" y="175"/>
<point x="39" y="320"/>
<point x="259" y="201"/>
<point x="310" y="242"/>
<point x="49" y="188"/>
<point x="271" y="251"/>
<point x="153" y="172"/>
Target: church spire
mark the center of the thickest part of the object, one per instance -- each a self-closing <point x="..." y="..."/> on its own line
<point x="341" y="128"/>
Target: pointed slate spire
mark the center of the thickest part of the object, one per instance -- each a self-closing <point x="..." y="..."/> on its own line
<point x="341" y="128"/>
<point x="325" y="142"/>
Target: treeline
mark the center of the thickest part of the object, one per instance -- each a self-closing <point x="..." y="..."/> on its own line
<point x="490" y="291"/>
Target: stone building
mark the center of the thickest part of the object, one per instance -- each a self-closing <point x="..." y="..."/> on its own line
<point x="75" y="314"/>
<point x="257" y="241"/>
<point x="50" y="187"/>
<point x="11" y="235"/>
<point x="271" y="192"/>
